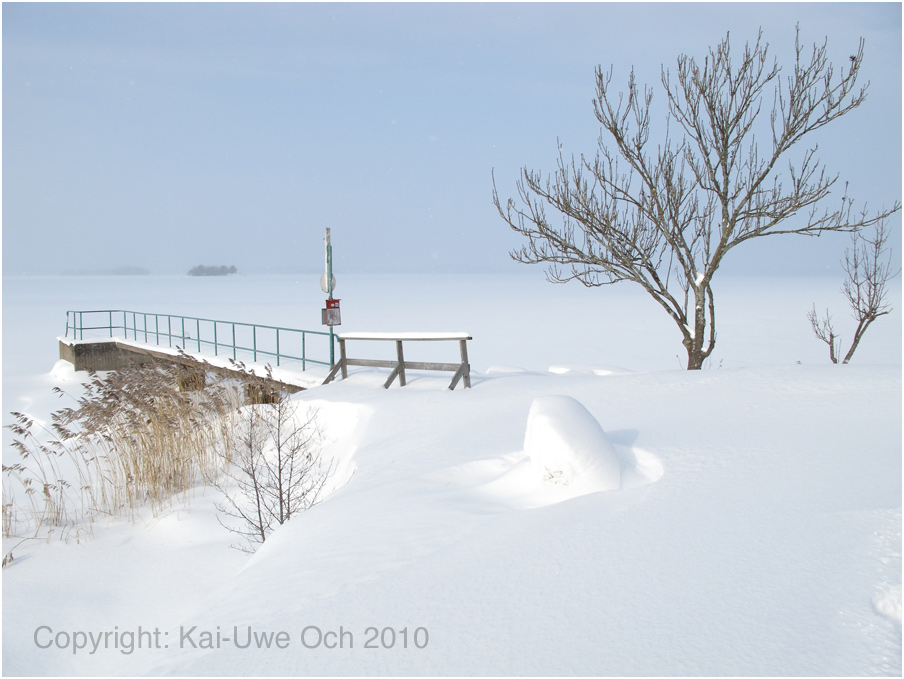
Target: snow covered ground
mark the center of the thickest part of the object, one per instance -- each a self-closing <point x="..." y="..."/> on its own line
<point x="586" y="508"/>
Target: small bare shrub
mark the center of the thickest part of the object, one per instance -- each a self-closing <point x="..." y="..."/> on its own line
<point x="868" y="267"/>
<point x="275" y="468"/>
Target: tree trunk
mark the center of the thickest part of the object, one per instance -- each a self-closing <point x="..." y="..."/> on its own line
<point x="694" y="344"/>
<point x="695" y="356"/>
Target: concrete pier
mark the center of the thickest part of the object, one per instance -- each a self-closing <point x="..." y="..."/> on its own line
<point x="114" y="354"/>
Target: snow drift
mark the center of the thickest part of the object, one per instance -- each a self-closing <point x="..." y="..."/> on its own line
<point x="771" y="547"/>
<point x="570" y="447"/>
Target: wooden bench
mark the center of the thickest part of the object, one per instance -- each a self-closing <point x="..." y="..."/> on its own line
<point x="462" y="370"/>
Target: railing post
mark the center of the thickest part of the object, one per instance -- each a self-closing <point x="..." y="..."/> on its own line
<point x="254" y="342"/>
<point x="277" y="347"/>
<point x="214" y="338"/>
<point x="169" y="329"/>
<point x="234" y="357"/>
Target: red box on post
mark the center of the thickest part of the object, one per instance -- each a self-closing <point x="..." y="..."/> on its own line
<point x="330" y="315"/>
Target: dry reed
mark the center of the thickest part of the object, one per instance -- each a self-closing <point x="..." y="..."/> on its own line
<point x="137" y="436"/>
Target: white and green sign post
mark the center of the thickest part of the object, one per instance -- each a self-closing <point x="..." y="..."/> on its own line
<point x="330" y="315"/>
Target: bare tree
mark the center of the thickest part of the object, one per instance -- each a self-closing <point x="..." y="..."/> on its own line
<point x="868" y="267"/>
<point x="275" y="469"/>
<point x="665" y="215"/>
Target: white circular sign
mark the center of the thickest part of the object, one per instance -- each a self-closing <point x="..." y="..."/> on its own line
<point x="324" y="286"/>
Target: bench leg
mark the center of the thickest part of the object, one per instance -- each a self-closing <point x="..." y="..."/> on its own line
<point x="401" y="357"/>
<point x="342" y="360"/>
<point x="332" y="374"/>
<point x="458" y="375"/>
<point x="340" y="365"/>
<point x="392" y="376"/>
<point x="465" y="369"/>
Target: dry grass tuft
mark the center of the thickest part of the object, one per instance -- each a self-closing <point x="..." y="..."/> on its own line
<point x="137" y="436"/>
<point x="144" y="434"/>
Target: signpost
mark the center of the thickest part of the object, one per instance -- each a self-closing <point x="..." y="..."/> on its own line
<point x="329" y="315"/>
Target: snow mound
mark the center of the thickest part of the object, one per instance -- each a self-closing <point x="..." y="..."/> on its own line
<point x="569" y="446"/>
<point x="888" y="602"/>
<point x="64" y="371"/>
<point x="599" y="370"/>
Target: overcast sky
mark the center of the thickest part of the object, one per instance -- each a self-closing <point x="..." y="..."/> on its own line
<point x="168" y="135"/>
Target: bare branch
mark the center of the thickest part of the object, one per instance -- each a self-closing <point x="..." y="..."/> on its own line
<point x="665" y="217"/>
<point x="868" y="270"/>
<point x="822" y="328"/>
<point x="868" y="265"/>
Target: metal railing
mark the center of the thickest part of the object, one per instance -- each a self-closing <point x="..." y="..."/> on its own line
<point x="241" y="341"/>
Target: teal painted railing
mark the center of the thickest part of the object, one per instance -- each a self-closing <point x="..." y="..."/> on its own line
<point x="240" y="341"/>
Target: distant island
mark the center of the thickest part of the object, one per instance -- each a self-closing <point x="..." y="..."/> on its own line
<point x="201" y="270"/>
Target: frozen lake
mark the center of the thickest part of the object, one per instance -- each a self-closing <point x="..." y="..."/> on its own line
<point x="516" y="320"/>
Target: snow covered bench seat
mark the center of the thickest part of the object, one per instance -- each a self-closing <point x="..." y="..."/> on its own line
<point x="462" y="370"/>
